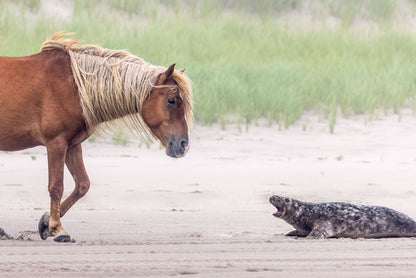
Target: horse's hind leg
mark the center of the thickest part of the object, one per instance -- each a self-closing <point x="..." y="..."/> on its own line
<point x="76" y="167"/>
<point x="50" y="224"/>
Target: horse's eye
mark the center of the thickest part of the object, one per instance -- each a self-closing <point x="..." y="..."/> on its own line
<point x="287" y="200"/>
<point x="172" y="101"/>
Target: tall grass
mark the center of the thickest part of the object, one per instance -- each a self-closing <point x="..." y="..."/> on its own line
<point x="245" y="63"/>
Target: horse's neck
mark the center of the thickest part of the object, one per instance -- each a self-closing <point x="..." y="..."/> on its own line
<point x="110" y="92"/>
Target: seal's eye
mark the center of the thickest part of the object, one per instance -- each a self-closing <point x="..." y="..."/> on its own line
<point x="287" y="200"/>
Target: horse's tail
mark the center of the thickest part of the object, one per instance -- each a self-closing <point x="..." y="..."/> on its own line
<point x="3" y="234"/>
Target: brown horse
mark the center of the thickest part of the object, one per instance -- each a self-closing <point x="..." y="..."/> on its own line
<point x="60" y="96"/>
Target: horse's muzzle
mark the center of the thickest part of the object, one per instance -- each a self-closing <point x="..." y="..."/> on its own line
<point x="177" y="147"/>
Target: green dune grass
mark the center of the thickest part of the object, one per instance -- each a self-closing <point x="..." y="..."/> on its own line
<point x="244" y="62"/>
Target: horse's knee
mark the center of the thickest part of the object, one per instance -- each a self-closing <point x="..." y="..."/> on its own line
<point x="56" y="191"/>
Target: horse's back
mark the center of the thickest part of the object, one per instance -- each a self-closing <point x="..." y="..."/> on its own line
<point x="35" y="92"/>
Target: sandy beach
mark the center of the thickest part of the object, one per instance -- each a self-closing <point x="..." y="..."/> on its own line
<point x="207" y="214"/>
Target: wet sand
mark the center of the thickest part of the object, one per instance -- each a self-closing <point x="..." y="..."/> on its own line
<point x="207" y="214"/>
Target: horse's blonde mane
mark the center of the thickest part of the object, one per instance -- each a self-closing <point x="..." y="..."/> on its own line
<point x="114" y="84"/>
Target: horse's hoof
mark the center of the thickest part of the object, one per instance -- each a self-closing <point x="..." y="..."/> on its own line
<point x="43" y="227"/>
<point x="3" y="234"/>
<point x="64" y="238"/>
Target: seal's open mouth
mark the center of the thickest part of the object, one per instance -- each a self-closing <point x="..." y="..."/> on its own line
<point x="280" y="204"/>
<point x="280" y="211"/>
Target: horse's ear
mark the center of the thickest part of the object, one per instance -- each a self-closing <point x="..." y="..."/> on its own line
<point x="182" y="70"/>
<point x="168" y="73"/>
<point x="164" y="76"/>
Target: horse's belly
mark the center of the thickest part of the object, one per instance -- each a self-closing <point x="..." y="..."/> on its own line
<point x="17" y="143"/>
<point x="15" y="136"/>
<point x="18" y="121"/>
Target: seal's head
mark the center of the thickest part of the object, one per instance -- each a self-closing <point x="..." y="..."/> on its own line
<point x="282" y="205"/>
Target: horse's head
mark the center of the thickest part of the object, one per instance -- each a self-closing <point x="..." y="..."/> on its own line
<point x="164" y="113"/>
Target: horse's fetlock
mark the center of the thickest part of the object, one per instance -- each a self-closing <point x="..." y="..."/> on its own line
<point x="55" y="228"/>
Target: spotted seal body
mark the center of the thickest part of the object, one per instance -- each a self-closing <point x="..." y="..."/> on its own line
<point x="339" y="219"/>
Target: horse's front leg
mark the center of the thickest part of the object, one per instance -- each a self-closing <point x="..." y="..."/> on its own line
<point x="50" y="224"/>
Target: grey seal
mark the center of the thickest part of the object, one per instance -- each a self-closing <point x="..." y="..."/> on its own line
<point x="342" y="219"/>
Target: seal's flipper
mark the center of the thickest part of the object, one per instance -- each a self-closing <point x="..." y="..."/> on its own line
<point x="297" y="233"/>
<point x="323" y="230"/>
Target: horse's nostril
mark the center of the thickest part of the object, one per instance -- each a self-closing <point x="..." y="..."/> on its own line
<point x="177" y="148"/>
<point x="183" y="143"/>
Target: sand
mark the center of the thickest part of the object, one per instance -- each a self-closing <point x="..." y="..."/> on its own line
<point x="207" y="214"/>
